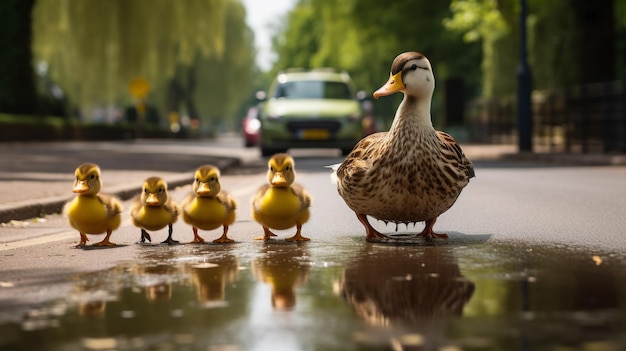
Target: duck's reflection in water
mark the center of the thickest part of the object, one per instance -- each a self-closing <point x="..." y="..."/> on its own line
<point x="210" y="277"/>
<point x="405" y="286"/>
<point x="155" y="274"/>
<point x="284" y="267"/>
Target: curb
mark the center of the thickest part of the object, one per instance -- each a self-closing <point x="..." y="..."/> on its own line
<point x="54" y="205"/>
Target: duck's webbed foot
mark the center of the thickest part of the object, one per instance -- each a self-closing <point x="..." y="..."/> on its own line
<point x="144" y="236"/>
<point x="428" y="230"/>
<point x="197" y="238"/>
<point x="224" y="238"/>
<point x="372" y="234"/>
<point x="267" y="234"/>
<point x="106" y="241"/>
<point x="83" y="240"/>
<point x="298" y="236"/>
<point x="169" y="239"/>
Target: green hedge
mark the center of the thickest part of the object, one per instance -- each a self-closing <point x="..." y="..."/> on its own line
<point x="46" y="128"/>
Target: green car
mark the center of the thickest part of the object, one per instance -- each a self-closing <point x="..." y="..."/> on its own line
<point x="310" y="109"/>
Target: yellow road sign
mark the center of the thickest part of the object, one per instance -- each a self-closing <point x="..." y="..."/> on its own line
<point x="139" y="87"/>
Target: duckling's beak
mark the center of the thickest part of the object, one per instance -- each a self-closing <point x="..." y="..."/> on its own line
<point x="278" y="179"/>
<point x="393" y="85"/>
<point x="203" y="189"/>
<point x="80" y="187"/>
<point x="152" y="200"/>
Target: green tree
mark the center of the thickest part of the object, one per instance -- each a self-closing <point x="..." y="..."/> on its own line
<point x="95" y="48"/>
<point x="564" y="38"/>
<point x="363" y="37"/>
<point x="17" y="82"/>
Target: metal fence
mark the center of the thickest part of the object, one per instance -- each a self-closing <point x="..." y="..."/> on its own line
<point x="580" y="119"/>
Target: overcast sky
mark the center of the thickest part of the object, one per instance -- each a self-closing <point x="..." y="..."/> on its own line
<point x="260" y="16"/>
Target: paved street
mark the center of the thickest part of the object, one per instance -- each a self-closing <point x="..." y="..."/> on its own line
<point x="544" y="229"/>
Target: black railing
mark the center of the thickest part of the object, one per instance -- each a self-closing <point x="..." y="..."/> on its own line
<point x="581" y="119"/>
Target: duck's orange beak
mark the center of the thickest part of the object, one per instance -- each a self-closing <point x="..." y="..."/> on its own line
<point x="278" y="179"/>
<point x="80" y="187"/>
<point x="203" y="189"/>
<point x="152" y="200"/>
<point x="393" y="85"/>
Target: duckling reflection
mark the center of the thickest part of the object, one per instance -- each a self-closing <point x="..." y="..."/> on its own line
<point x="93" y="292"/>
<point x="284" y="268"/>
<point x="211" y="276"/>
<point x="155" y="274"/>
<point x="390" y="286"/>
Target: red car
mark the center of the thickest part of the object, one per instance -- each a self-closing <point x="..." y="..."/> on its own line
<point x="251" y="127"/>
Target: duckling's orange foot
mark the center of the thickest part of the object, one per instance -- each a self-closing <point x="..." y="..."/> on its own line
<point x="196" y="238"/>
<point x="298" y="236"/>
<point x="223" y="239"/>
<point x="267" y="234"/>
<point x="83" y="241"/>
<point x="105" y="243"/>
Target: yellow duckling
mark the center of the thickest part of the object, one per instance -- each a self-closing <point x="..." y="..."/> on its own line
<point x="281" y="204"/>
<point x="208" y="207"/>
<point x="90" y="212"/>
<point x="153" y="210"/>
<point x="411" y="173"/>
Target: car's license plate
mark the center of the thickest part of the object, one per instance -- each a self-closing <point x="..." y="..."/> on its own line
<point x="314" y="134"/>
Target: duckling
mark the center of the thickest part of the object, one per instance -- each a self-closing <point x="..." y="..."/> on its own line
<point x="411" y="173"/>
<point x="153" y="210"/>
<point x="281" y="204"/>
<point x="208" y="207"/>
<point x="91" y="212"/>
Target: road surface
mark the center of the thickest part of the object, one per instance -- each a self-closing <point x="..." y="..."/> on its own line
<point x="534" y="258"/>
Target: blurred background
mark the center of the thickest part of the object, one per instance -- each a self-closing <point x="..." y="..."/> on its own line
<point x="111" y="69"/>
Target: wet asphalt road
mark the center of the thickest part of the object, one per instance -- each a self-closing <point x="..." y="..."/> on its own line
<point x="535" y="261"/>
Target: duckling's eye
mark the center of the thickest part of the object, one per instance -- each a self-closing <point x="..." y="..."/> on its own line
<point x="271" y="168"/>
<point x="93" y="176"/>
<point x="287" y="168"/>
<point x="160" y="190"/>
<point x="212" y="179"/>
<point x="145" y="190"/>
<point x="197" y="180"/>
<point x="413" y="67"/>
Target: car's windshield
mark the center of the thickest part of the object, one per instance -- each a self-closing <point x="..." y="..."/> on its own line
<point x="311" y="89"/>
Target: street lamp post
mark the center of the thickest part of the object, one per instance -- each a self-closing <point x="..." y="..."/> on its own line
<point x="524" y="87"/>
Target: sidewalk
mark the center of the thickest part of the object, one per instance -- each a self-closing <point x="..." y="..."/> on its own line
<point x="36" y="181"/>
<point x="36" y="178"/>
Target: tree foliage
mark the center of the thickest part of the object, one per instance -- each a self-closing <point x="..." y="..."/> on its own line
<point x="563" y="38"/>
<point x="95" y="48"/>
<point x="363" y="37"/>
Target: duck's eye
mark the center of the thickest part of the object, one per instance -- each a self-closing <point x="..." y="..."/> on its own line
<point x="161" y="190"/>
<point x="145" y="190"/>
<point x="413" y="67"/>
<point x="212" y="179"/>
<point x="197" y="179"/>
<point x="271" y="168"/>
<point x="287" y="168"/>
<point x="93" y="176"/>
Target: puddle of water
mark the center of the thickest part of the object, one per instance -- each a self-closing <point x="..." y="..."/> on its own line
<point x="355" y="296"/>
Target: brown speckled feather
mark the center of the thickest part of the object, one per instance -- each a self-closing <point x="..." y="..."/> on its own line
<point x="412" y="173"/>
